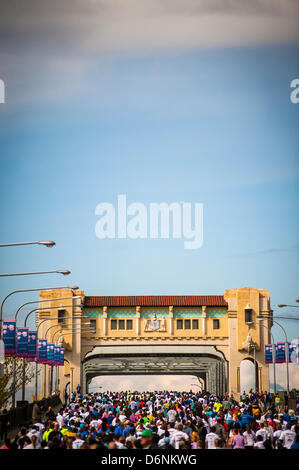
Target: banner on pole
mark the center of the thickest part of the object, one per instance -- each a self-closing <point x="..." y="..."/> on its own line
<point x="22" y="342"/>
<point x="61" y="361"/>
<point x="294" y="351"/>
<point x="9" y="336"/>
<point x="42" y="351"/>
<point x="280" y="353"/>
<point x="268" y="354"/>
<point x="32" y="344"/>
<point x="50" y="354"/>
<point x="56" y="355"/>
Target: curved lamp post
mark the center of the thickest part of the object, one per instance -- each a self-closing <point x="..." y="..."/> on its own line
<point x="28" y="290"/>
<point x="286" y="349"/>
<point x="273" y="355"/>
<point x="72" y="330"/>
<point x="36" y="363"/>
<point x="15" y="317"/>
<point x="48" y="243"/>
<point x="65" y="272"/>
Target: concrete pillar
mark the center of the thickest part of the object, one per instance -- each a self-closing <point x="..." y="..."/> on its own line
<point x="105" y="319"/>
<point x="170" y="320"/>
<point x="204" y="321"/>
<point x="137" y="321"/>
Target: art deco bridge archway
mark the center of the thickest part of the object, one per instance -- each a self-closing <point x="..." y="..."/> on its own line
<point x="206" y="336"/>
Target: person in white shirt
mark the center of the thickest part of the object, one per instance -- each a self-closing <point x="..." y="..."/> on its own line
<point x="259" y="443"/>
<point x="59" y="419"/>
<point x="249" y="435"/>
<point x="211" y="439"/>
<point x="34" y="444"/>
<point x="288" y="437"/>
<point x="122" y="417"/>
<point x="162" y="428"/>
<point x="276" y="437"/>
<point x="78" y="441"/>
<point x="34" y="431"/>
<point x="95" y="423"/>
<point x="263" y="432"/>
<point x="178" y="436"/>
<point x="171" y="415"/>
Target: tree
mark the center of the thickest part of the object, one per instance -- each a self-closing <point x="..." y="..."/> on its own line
<point x="6" y="382"/>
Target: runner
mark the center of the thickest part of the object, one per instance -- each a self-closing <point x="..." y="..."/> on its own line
<point x="161" y="419"/>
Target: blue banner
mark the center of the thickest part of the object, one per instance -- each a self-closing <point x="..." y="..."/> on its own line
<point x="50" y="354"/>
<point x="32" y="344"/>
<point x="22" y="342"/>
<point x="61" y="361"/>
<point x="280" y="353"/>
<point x="42" y="351"/>
<point x="9" y="336"/>
<point x="56" y="355"/>
<point x="268" y="354"/>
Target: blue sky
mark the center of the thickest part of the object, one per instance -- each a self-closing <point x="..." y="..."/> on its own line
<point x="192" y="121"/>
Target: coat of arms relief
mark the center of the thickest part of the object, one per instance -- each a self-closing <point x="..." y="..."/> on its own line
<point x="154" y="324"/>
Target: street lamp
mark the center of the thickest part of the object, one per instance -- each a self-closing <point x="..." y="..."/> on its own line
<point x="72" y="330"/>
<point x="15" y="318"/>
<point x="55" y="326"/>
<point x="25" y="325"/>
<point x="287" y="305"/>
<point x="273" y="353"/>
<point x="48" y="243"/>
<point x="29" y="290"/>
<point x="46" y="300"/>
<point x="36" y="363"/>
<point x="65" y="272"/>
<point x="286" y="349"/>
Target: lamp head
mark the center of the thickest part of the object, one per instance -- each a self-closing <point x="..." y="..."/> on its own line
<point x="48" y="243"/>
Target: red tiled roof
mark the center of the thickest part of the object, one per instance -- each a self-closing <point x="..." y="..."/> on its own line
<point x="156" y="300"/>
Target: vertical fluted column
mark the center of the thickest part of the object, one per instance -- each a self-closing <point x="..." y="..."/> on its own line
<point x="137" y="321"/>
<point x="105" y="316"/>
<point x="170" y="320"/>
<point x="204" y="321"/>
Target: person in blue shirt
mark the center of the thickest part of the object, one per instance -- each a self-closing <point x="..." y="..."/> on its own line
<point x="245" y="419"/>
<point x="110" y="418"/>
<point x="128" y="429"/>
<point x="118" y="430"/>
<point x="295" y="445"/>
<point x="286" y="417"/>
<point x="84" y="433"/>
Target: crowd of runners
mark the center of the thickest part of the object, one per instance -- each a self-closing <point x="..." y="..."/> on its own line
<point x="160" y="420"/>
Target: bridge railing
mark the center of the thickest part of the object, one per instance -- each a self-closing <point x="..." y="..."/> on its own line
<point x="22" y="414"/>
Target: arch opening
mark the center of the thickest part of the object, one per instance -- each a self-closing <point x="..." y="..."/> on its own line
<point x="248" y="375"/>
<point x="143" y="383"/>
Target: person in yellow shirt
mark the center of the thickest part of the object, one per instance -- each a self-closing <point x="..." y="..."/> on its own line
<point x="218" y="406"/>
<point x="71" y="433"/>
<point x="150" y="417"/>
<point x="277" y="401"/>
<point x="48" y="430"/>
<point x="63" y="429"/>
<point x="255" y="410"/>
